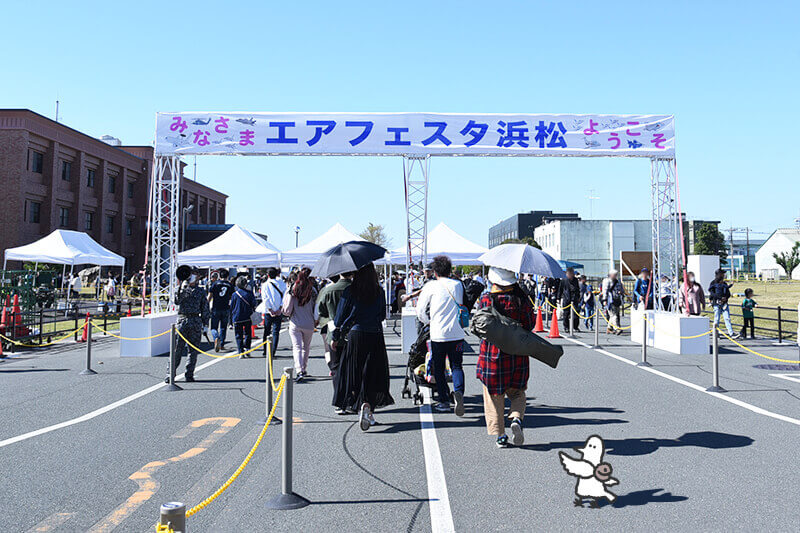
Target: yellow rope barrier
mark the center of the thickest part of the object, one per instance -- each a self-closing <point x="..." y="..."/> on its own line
<point x="755" y="352"/>
<point x="254" y="348"/>
<point x="269" y="354"/>
<point x="224" y="487"/>
<point x="129" y="338"/>
<point x="59" y="339"/>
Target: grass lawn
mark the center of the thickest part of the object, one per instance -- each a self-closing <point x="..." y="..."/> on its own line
<point x="785" y="294"/>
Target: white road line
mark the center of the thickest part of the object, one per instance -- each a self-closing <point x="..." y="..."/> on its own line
<point x="790" y="377"/>
<point x="98" y="412"/>
<point x="439" y="501"/>
<point x="740" y="403"/>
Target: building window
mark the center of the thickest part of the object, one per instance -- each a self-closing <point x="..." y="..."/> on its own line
<point x="109" y="224"/>
<point x="220" y="219"/>
<point x="66" y="170"/>
<point x="63" y="217"/>
<point x="90" y="177"/>
<point x="128" y="226"/>
<point x="112" y="184"/>
<point x="35" y="161"/>
<point x="34" y="211"/>
<point x="88" y="221"/>
<point x="130" y="189"/>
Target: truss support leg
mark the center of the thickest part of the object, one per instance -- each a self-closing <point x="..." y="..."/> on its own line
<point x="164" y="194"/>
<point x="415" y="176"/>
<point x="665" y="230"/>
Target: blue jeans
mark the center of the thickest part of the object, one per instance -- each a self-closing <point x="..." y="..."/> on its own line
<point x="219" y="324"/>
<point x="454" y="350"/>
<point x="588" y="310"/>
<point x="272" y="324"/>
<point x="726" y="315"/>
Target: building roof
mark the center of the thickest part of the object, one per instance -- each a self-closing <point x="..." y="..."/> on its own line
<point x="67" y="129"/>
<point x="790" y="233"/>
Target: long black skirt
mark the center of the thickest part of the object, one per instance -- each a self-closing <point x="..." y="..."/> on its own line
<point x="363" y="374"/>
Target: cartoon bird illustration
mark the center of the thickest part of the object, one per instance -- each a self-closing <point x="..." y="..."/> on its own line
<point x="593" y="474"/>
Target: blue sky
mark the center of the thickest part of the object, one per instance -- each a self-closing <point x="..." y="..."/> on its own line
<point x="728" y="71"/>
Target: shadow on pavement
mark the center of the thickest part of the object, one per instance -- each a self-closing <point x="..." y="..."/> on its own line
<point x="388" y="500"/>
<point x="643" y="446"/>
<point x="643" y="497"/>
<point x="17" y="370"/>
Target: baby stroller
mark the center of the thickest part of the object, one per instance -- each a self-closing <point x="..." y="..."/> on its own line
<point x="417" y="358"/>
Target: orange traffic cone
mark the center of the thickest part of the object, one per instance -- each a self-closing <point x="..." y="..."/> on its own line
<point x="17" y="311"/>
<point x="554" y="327"/>
<point x="253" y="330"/>
<point x="85" y="333"/>
<point x="129" y="312"/>
<point x="4" y="319"/>
<point x="539" y="327"/>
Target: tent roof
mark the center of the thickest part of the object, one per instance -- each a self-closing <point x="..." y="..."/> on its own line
<point x="237" y="247"/>
<point x="310" y="252"/>
<point x="565" y="264"/>
<point x="444" y="241"/>
<point x="66" y="247"/>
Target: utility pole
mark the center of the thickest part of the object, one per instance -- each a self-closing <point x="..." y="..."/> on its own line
<point x="592" y="198"/>
<point x="747" y="250"/>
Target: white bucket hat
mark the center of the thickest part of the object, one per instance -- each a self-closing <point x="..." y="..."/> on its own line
<point x="501" y="276"/>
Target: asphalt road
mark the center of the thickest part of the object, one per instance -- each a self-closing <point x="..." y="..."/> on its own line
<point x="686" y="460"/>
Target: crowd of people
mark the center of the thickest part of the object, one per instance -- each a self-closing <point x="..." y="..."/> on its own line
<point x="348" y="310"/>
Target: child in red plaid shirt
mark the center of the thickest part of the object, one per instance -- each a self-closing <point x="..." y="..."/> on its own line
<point x="505" y="375"/>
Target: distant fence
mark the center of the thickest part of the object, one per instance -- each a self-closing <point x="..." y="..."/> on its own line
<point x="39" y="327"/>
<point x="775" y="322"/>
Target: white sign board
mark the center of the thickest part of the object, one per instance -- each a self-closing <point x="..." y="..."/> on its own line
<point x="222" y="133"/>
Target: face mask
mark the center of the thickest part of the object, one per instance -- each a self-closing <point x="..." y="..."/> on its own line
<point x="192" y="278"/>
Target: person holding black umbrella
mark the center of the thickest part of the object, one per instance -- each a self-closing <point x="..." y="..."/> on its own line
<point x="362" y="380"/>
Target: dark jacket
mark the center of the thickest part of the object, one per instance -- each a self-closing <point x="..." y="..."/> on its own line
<point x="569" y="292"/>
<point x="719" y="293"/>
<point x="352" y="314"/>
<point x="328" y="300"/>
<point x="243" y="303"/>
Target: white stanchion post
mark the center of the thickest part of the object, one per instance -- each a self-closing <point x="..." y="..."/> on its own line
<point x="287" y="499"/>
<point x="644" y="362"/>
<point x="715" y="361"/>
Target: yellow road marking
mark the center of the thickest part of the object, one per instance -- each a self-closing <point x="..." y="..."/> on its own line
<point x="149" y="486"/>
<point x="51" y="522"/>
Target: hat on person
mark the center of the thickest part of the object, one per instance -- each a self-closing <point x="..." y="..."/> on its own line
<point x="501" y="276"/>
<point x="613" y="272"/>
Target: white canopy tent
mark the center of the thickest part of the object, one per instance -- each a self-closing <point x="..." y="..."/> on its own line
<point x="65" y="247"/>
<point x="310" y="252"/>
<point x="237" y="247"/>
<point x="444" y="241"/>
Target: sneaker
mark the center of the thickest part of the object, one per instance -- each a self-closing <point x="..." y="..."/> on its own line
<point x="502" y="441"/>
<point x="442" y="407"/>
<point x="340" y="411"/>
<point x="217" y="345"/>
<point x="459" y="399"/>
<point x="372" y="421"/>
<point x="298" y="378"/>
<point x="366" y="413"/>
<point x="188" y="378"/>
<point x="166" y="379"/>
<point x="517" y="436"/>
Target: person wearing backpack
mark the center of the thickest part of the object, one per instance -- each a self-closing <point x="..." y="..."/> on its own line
<point x="243" y="303"/>
<point x="441" y="304"/>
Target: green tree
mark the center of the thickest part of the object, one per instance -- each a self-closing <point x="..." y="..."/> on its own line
<point x="790" y="260"/>
<point x="530" y="241"/>
<point x="376" y="234"/>
<point x="709" y="240"/>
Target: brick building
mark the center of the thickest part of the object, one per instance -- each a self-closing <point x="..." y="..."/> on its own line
<point x="55" y="177"/>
